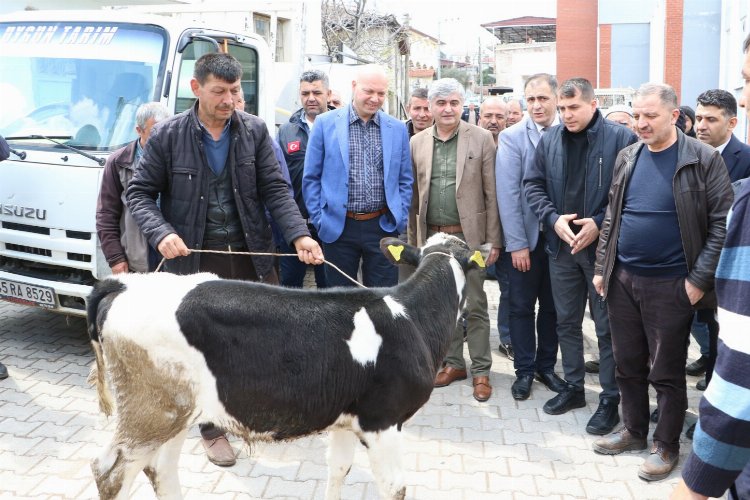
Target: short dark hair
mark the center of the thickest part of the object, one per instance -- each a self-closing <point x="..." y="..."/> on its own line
<point x="314" y="75"/>
<point x="419" y="93"/>
<point x="722" y="99"/>
<point x="545" y="77"/>
<point x="219" y="64"/>
<point x="574" y="86"/>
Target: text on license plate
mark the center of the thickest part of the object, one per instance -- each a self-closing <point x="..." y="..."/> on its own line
<point x="24" y="293"/>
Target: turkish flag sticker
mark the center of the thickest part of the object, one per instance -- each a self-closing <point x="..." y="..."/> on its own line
<point x="292" y="147"/>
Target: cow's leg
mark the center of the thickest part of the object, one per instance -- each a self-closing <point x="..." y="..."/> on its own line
<point x="340" y="458"/>
<point x="162" y="470"/>
<point x="116" y="469"/>
<point x="384" y="450"/>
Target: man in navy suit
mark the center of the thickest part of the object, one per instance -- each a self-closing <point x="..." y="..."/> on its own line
<point x="357" y="182"/>
<point x="715" y="119"/>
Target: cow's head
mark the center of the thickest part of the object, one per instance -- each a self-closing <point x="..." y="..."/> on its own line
<point x="399" y="252"/>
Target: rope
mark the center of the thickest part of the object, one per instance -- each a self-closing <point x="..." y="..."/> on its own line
<point x="266" y="254"/>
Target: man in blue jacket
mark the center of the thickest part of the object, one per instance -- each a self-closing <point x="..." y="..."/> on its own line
<point x="567" y="187"/>
<point x="314" y="94"/>
<point x="357" y="182"/>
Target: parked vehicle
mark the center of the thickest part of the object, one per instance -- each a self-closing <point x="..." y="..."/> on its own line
<point x="71" y="83"/>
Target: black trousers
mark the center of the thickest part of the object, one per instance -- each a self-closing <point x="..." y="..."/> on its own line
<point x="650" y="319"/>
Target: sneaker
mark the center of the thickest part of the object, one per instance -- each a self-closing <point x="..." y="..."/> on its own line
<point x="659" y="464"/>
<point x="604" y="418"/>
<point x="619" y="442"/>
<point x="507" y="350"/>
<point x="697" y="367"/>
<point x="219" y="451"/>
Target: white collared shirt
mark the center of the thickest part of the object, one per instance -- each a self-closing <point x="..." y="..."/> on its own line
<point x="539" y="128"/>
<point x="721" y="147"/>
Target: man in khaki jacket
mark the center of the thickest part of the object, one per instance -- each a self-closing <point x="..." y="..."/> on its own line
<point x="454" y="192"/>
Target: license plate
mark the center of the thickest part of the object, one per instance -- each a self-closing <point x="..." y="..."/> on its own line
<point x="23" y="293"/>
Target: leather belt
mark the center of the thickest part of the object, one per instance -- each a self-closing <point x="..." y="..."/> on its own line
<point x="366" y="215"/>
<point x="452" y="229"/>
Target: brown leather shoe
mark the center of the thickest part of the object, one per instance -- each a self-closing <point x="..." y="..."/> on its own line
<point x="618" y="442"/>
<point x="659" y="464"/>
<point x="219" y="451"/>
<point x="448" y="375"/>
<point x="482" y="389"/>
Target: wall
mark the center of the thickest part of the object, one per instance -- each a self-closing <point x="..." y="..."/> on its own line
<point x="700" y="48"/>
<point x="577" y="50"/>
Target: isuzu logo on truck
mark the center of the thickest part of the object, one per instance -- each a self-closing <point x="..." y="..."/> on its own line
<point x="27" y="212"/>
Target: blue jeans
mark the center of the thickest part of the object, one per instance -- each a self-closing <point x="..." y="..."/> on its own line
<point x="503" y="308"/>
<point x="360" y="242"/>
<point x="699" y="329"/>
<point x="293" y="270"/>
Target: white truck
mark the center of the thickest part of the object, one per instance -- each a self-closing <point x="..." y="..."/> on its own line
<point x="70" y="84"/>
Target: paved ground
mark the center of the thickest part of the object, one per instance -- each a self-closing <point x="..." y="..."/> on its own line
<point x="455" y="447"/>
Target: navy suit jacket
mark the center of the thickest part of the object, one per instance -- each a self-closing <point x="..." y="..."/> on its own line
<point x="325" y="183"/>
<point x="736" y="155"/>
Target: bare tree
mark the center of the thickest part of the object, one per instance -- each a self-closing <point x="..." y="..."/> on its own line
<point x="372" y="36"/>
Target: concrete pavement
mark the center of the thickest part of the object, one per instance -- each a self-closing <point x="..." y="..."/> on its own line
<point x="454" y="448"/>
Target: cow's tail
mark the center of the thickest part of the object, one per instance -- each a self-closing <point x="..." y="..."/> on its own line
<point x="97" y="307"/>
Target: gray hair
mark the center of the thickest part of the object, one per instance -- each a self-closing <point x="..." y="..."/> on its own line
<point x="665" y="92"/>
<point x="155" y="110"/>
<point x="314" y="75"/>
<point x="419" y="93"/>
<point x="445" y="87"/>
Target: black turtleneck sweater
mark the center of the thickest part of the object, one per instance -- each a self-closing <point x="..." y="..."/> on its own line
<point x="576" y="146"/>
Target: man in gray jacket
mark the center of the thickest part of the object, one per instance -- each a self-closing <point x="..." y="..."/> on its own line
<point x="215" y="170"/>
<point x="524" y="259"/>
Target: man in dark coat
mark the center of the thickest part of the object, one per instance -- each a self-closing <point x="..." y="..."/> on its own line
<point x="215" y="170"/>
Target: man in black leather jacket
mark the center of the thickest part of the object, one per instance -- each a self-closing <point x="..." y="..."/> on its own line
<point x="659" y="247"/>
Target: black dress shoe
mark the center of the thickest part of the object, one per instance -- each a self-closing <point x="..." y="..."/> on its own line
<point x="591" y="366"/>
<point x="521" y="388"/>
<point x="697" y="367"/>
<point x="701" y="385"/>
<point x="604" y="418"/>
<point x="565" y="401"/>
<point x="552" y="381"/>
<point x="3" y="372"/>
<point x="655" y="415"/>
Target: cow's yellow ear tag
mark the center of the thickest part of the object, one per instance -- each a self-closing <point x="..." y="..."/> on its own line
<point x="477" y="257"/>
<point x="396" y="251"/>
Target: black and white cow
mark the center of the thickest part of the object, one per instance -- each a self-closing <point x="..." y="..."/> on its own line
<point x="269" y="363"/>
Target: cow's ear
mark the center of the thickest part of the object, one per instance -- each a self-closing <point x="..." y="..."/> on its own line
<point x="399" y="252"/>
<point x="478" y="257"/>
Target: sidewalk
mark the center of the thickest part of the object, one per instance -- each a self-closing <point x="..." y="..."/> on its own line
<point x="454" y="448"/>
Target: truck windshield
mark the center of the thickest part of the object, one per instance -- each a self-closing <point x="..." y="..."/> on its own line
<point x="78" y="80"/>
